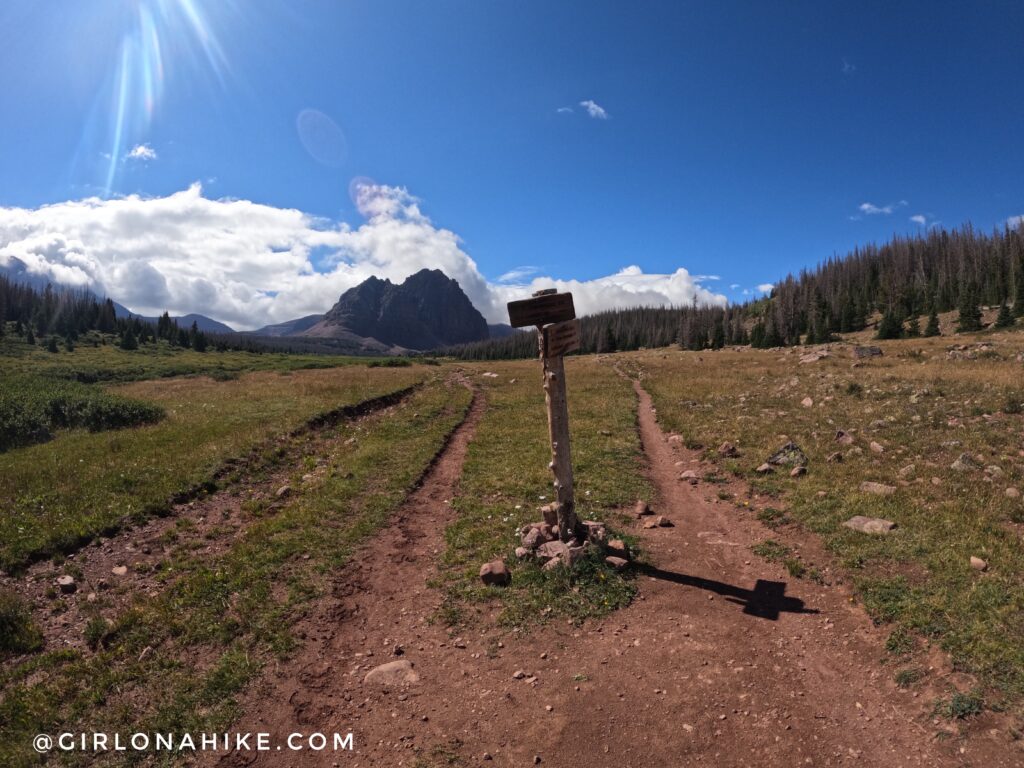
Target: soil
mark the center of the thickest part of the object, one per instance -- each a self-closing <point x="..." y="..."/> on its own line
<point x="722" y="660"/>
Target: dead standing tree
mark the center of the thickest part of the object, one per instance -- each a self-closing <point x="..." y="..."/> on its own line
<point x="558" y="332"/>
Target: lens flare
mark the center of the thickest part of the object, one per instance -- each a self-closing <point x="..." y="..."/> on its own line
<point x="159" y="33"/>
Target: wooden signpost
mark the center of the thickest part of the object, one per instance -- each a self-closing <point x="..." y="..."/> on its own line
<point x="558" y="332"/>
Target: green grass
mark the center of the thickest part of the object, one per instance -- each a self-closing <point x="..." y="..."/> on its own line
<point x="925" y="410"/>
<point x="506" y="468"/>
<point x="61" y="493"/>
<point x="18" y="632"/>
<point x="220" y="620"/>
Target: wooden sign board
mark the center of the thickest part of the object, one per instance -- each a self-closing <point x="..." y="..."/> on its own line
<point x="560" y="338"/>
<point x="541" y="310"/>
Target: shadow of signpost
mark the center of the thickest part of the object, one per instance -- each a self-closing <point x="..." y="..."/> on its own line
<point x="766" y="600"/>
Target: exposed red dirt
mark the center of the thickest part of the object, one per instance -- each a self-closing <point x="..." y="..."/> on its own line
<point x="723" y="660"/>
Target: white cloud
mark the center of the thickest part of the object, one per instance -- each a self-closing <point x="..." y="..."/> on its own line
<point x="594" y="109"/>
<point x="919" y="218"/>
<point x="1015" y="221"/>
<point x="141" y="152"/>
<point x="765" y="287"/>
<point x="564" y="110"/>
<point x="848" y="68"/>
<point x="518" y="274"/>
<point x="249" y="264"/>
<point x="734" y="286"/>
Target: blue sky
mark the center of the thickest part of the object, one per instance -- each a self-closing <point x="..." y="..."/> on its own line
<point x="738" y="140"/>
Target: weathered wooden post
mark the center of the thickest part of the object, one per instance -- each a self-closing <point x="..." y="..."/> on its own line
<point x="558" y="332"/>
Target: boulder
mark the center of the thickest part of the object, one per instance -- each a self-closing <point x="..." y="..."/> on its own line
<point x="393" y="673"/>
<point x="618" y="548"/>
<point x="551" y="550"/>
<point x="532" y="539"/>
<point x="618" y="563"/>
<point x="873" y="525"/>
<point x="550" y="513"/>
<point x="879" y="489"/>
<point x="641" y="509"/>
<point x="67" y="584"/>
<point x="595" y="531"/>
<point x="863" y="353"/>
<point x="789" y="455"/>
<point x="495" y="574"/>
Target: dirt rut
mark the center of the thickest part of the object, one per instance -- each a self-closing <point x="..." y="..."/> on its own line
<point x="721" y="661"/>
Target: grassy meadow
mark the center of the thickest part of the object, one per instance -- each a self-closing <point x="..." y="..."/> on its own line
<point x="912" y="413"/>
<point x="62" y="492"/>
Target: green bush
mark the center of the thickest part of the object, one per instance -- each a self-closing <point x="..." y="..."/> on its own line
<point x="32" y="408"/>
<point x="391" y="362"/>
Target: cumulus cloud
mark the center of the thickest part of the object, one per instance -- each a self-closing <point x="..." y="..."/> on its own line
<point x="765" y="287"/>
<point x="249" y="264"/>
<point x="920" y="219"/>
<point x="594" y="109"/>
<point x="1015" y="221"/>
<point x="141" y="152"/>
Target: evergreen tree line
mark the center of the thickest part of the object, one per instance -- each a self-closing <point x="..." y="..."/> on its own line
<point x="908" y="280"/>
<point x="65" y="314"/>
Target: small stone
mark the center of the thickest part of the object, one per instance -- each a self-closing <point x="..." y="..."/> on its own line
<point x="798" y="471"/>
<point x="618" y="563"/>
<point x="487" y="755"/>
<point x="519" y="674"/>
<point x="807" y="402"/>
<point x="873" y="525"/>
<point x="91" y="597"/>
<point x="119" y="570"/>
<point x="936" y="481"/>
<point x="764" y="469"/>
<point x="495" y="574"/>
<point x="879" y="489"/>
<point x="283" y="491"/>
<point x="1012" y="493"/>
<point x="549" y="708"/>
<point x="728" y="451"/>
<point x="835" y="458"/>
<point x="663" y="522"/>
<point x="844" y="438"/>
<point x="964" y="463"/>
<point x="67" y="584"/>
<point x="641" y="508"/>
<point x="522" y="552"/>
<point x="877" y="447"/>
<point x="550" y="513"/>
<point x="618" y="548"/>
<point x="907" y="471"/>
<point x="978" y="564"/>
<point x="860" y="353"/>
<point x="399" y="672"/>
<point x="690" y="476"/>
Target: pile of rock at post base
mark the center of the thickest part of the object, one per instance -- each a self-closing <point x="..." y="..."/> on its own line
<point x="541" y="541"/>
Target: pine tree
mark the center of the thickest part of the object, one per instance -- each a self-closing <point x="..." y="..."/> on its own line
<point x="891" y="325"/>
<point x="30" y="338"/>
<point x="914" y="327"/>
<point x="69" y="343"/>
<point x="1018" y="302"/>
<point x="932" y="329"/>
<point x="1005" y="319"/>
<point x="128" y="340"/>
<point x="51" y="344"/>
<point x="970" y="312"/>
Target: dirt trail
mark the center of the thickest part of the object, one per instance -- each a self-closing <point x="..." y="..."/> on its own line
<point x="719" y="662"/>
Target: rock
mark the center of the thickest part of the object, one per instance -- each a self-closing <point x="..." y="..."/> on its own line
<point x="813" y="357"/>
<point x="874" y="525"/>
<point x="764" y="469"/>
<point x="788" y="455"/>
<point x="728" y="451"/>
<point x="807" y="402"/>
<point x="978" y="564"/>
<point x="519" y="674"/>
<point x="398" y="672"/>
<point x="522" y="552"/>
<point x="658" y="521"/>
<point x="550" y="550"/>
<point x="798" y="471"/>
<point x="283" y="491"/>
<point x="675" y="438"/>
<point x="495" y="574"/>
<point x="690" y="476"/>
<point x="964" y="463"/>
<point x="92" y="597"/>
<point x="641" y="508"/>
<point x="67" y="584"/>
<point x="994" y="471"/>
<point x="835" y="458"/>
<point x="550" y="513"/>
<point x="532" y="539"/>
<point x="1012" y="493"/>
<point x="879" y="489"/>
<point x="877" y="447"/>
<point x="862" y="353"/>
<point x="936" y="481"/>
<point x="119" y="570"/>
<point x="907" y="471"/>
<point x="618" y="563"/>
<point x="595" y="531"/>
<point x="844" y="438"/>
<point x="878" y="424"/>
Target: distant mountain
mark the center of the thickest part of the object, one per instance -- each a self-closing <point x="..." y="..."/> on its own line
<point x="203" y="323"/>
<point x="501" y="330"/>
<point x="289" y="327"/>
<point x="429" y="310"/>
